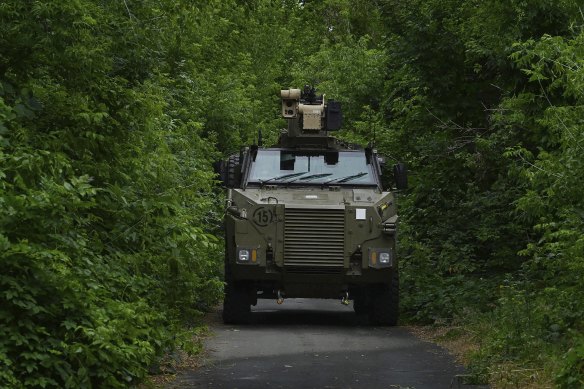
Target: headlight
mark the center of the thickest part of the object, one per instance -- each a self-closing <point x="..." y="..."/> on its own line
<point x="247" y="255"/>
<point x="243" y="255"/>
<point x="380" y="258"/>
<point x="384" y="258"/>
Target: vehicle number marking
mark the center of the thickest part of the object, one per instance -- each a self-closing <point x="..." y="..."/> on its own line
<point x="262" y="217"/>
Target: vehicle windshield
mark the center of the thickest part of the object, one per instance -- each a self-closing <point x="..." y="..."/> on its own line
<point x="311" y="168"/>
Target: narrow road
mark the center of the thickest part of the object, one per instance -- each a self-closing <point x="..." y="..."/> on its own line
<point x="318" y="344"/>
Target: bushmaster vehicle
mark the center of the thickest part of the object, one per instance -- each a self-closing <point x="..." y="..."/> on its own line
<point x="309" y="218"/>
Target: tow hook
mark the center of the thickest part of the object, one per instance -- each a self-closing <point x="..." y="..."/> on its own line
<point x="345" y="299"/>
<point x="280" y="297"/>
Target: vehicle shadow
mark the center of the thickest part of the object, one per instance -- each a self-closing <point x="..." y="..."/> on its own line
<point x="308" y="317"/>
<point x="300" y="312"/>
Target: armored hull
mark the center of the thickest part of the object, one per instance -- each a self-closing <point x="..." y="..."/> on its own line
<point x="309" y="218"/>
<point x="311" y="242"/>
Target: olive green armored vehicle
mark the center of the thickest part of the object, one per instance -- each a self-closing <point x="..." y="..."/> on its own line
<point x="309" y="218"/>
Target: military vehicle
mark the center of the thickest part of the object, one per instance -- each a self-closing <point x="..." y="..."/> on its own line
<point x="309" y="218"/>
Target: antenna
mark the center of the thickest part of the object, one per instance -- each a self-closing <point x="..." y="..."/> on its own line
<point x="374" y="128"/>
<point x="260" y="140"/>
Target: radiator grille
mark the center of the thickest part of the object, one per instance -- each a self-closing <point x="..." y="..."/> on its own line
<point x="314" y="238"/>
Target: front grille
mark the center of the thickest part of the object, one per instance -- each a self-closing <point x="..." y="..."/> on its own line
<point x="314" y="238"/>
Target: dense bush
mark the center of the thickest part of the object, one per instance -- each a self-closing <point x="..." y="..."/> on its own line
<point x="485" y="103"/>
<point x="107" y="205"/>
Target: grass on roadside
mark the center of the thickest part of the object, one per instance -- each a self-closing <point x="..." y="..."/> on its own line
<point x="466" y="342"/>
<point x="188" y="355"/>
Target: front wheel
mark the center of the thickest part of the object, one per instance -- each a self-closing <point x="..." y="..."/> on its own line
<point x="384" y="309"/>
<point x="236" y="304"/>
<point x="361" y="302"/>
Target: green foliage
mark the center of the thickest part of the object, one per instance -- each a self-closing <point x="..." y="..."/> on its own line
<point x="555" y="201"/>
<point x="107" y="205"/>
<point x="485" y="104"/>
<point x="570" y="375"/>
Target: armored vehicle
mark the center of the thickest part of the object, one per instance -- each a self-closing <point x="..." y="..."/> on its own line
<point x="309" y="218"/>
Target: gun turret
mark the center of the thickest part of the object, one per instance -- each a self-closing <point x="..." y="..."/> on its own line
<point x="308" y="114"/>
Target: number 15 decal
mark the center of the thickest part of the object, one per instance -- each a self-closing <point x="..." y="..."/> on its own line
<point x="262" y="217"/>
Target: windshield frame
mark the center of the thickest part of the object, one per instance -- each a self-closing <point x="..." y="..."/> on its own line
<point x="372" y="170"/>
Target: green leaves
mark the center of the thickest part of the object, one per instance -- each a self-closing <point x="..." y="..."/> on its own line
<point x="105" y="195"/>
<point x="484" y="101"/>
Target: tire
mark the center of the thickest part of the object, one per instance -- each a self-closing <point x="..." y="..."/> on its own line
<point x="236" y="304"/>
<point x="360" y="305"/>
<point x="384" y="308"/>
<point x="233" y="171"/>
<point x="361" y="301"/>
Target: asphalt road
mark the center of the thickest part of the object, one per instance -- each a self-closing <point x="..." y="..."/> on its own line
<point x="318" y="344"/>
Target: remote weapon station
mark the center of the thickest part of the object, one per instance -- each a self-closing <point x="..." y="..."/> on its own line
<point x="309" y="218"/>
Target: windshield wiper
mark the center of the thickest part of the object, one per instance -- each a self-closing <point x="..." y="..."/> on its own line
<point x="311" y="177"/>
<point x="291" y="175"/>
<point x="347" y="178"/>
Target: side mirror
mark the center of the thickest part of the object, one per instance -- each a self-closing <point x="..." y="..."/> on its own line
<point x="400" y="175"/>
